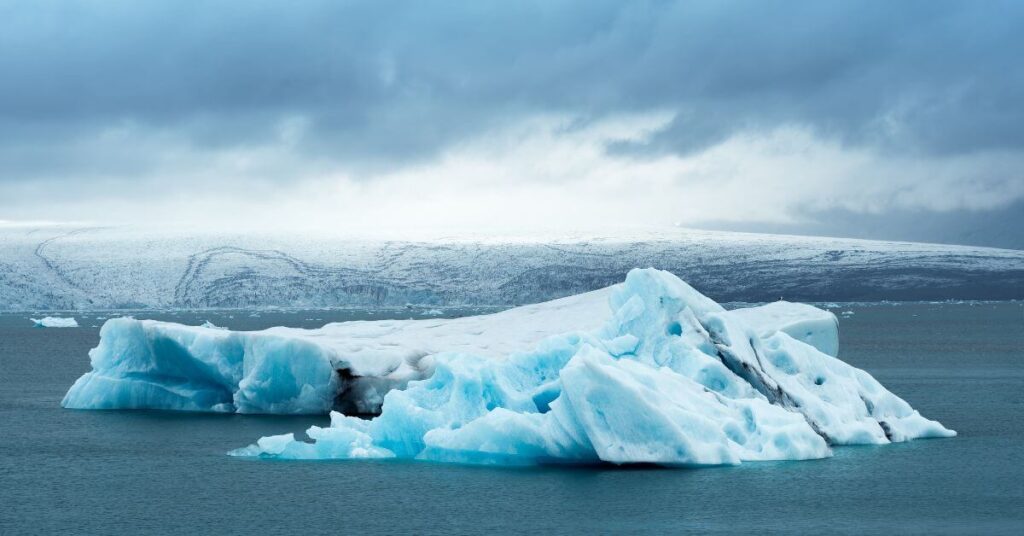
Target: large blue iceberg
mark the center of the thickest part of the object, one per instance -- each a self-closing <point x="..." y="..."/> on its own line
<point x="648" y="371"/>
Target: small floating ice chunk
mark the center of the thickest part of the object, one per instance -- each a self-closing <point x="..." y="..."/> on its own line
<point x="54" y="322"/>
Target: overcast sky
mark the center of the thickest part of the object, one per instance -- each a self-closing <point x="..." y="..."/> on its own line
<point x="749" y="115"/>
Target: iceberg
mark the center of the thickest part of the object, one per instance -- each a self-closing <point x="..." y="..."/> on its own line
<point x="646" y="371"/>
<point x="54" y="322"/>
<point x="348" y="366"/>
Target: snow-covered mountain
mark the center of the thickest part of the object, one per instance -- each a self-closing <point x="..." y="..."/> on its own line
<point x="80" y="267"/>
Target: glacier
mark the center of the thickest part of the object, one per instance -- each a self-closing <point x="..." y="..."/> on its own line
<point x="54" y="322"/>
<point x="645" y="371"/>
<point x="141" y="267"/>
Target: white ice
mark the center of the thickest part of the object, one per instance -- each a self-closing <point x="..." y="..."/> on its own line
<point x="54" y="322"/>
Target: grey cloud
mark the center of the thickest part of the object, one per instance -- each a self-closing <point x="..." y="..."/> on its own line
<point x="404" y="78"/>
<point x="387" y="83"/>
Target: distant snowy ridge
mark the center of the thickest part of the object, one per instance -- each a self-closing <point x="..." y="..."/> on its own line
<point x="67" y="268"/>
<point x="648" y="371"/>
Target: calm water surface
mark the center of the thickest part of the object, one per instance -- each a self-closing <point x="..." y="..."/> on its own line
<point x="143" y="472"/>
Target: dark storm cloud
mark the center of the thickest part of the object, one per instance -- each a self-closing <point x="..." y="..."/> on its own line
<point x="398" y="80"/>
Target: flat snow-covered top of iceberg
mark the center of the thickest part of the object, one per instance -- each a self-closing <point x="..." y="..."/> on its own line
<point x="373" y="346"/>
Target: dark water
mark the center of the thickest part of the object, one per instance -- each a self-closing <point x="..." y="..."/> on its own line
<point x="152" y="472"/>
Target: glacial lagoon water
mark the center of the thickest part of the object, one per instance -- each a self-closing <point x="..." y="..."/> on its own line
<point x="147" y="472"/>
